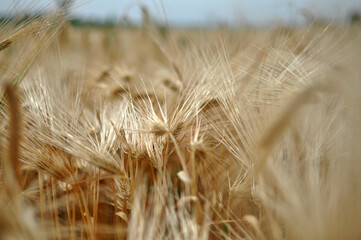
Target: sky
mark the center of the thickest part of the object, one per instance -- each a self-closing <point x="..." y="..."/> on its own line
<point x="208" y="12"/>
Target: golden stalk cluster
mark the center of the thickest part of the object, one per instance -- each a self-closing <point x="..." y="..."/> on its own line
<point x="118" y="133"/>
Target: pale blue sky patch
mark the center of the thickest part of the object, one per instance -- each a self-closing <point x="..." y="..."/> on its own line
<point x="211" y="12"/>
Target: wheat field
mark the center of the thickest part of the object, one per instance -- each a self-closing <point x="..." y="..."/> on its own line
<point x="152" y="133"/>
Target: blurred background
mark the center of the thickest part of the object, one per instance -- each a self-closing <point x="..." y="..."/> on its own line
<point x="202" y="13"/>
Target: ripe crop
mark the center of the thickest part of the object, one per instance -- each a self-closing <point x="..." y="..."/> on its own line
<point x="115" y="132"/>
